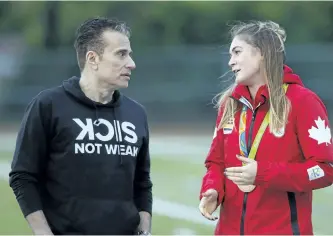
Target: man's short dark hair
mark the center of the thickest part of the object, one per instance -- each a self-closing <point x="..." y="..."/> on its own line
<point x="89" y="36"/>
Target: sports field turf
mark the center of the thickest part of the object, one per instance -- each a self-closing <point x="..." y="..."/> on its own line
<point x="176" y="186"/>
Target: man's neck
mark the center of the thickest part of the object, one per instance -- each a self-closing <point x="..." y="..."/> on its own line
<point x="95" y="91"/>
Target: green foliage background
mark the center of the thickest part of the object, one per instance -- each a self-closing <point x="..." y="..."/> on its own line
<point x="169" y="22"/>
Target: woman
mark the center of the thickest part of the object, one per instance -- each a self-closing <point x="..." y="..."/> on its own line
<point x="272" y="144"/>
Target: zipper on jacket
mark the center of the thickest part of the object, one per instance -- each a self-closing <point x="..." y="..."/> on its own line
<point x="249" y="143"/>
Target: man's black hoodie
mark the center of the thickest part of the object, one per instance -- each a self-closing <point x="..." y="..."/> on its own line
<point x="85" y="164"/>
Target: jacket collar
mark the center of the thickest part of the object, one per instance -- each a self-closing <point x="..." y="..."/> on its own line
<point x="242" y="93"/>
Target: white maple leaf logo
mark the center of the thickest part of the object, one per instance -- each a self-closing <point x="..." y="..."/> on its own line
<point x="321" y="133"/>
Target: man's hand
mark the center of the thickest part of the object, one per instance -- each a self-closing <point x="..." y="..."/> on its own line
<point x="38" y="223"/>
<point x="145" y="222"/>
<point x="208" y="204"/>
<point x="244" y="175"/>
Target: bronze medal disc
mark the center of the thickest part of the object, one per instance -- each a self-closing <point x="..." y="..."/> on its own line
<point x="246" y="188"/>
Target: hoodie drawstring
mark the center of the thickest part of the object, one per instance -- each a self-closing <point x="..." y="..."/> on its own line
<point x="96" y="122"/>
<point x="115" y="117"/>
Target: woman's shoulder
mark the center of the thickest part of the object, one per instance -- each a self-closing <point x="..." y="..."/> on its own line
<point x="303" y="97"/>
<point x="298" y="93"/>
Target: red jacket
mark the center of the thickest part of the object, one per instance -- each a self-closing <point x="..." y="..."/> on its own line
<point x="289" y="167"/>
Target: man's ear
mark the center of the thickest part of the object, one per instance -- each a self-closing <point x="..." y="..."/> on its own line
<point x="92" y="59"/>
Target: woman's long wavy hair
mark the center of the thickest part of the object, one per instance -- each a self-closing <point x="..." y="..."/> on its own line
<point x="269" y="38"/>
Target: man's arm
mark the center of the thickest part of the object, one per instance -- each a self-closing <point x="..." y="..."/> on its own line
<point x="143" y="185"/>
<point x="314" y="136"/>
<point x="28" y="164"/>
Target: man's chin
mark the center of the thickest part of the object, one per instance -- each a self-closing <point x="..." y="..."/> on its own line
<point x="123" y="85"/>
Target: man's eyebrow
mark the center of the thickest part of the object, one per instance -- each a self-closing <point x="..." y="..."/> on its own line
<point x="124" y="50"/>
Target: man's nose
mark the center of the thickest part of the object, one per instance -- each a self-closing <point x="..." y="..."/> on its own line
<point x="131" y="64"/>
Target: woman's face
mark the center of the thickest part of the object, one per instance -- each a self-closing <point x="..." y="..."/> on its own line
<point x="245" y="62"/>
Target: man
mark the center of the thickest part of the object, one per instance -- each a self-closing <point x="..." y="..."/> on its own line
<point x="82" y="164"/>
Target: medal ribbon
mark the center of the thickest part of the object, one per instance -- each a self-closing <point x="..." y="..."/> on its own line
<point x="261" y="131"/>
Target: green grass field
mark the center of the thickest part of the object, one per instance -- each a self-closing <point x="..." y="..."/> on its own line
<point x="168" y="185"/>
<point x="175" y="182"/>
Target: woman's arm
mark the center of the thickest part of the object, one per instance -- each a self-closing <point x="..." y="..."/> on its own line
<point x="214" y="163"/>
<point x="314" y="135"/>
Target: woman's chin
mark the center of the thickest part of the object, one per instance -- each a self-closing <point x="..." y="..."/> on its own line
<point x="243" y="81"/>
<point x="240" y="80"/>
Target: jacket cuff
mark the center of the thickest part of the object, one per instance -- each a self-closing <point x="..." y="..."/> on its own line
<point x="210" y="185"/>
<point x="263" y="170"/>
<point x="29" y="202"/>
<point x="145" y="202"/>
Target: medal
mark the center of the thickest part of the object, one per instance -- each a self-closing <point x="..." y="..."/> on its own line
<point x="242" y="140"/>
<point x="246" y="188"/>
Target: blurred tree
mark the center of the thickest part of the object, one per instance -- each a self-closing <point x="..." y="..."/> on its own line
<point x="330" y="29"/>
<point x="74" y="13"/>
<point x="4" y="9"/>
<point x="51" y="25"/>
<point x="25" y="18"/>
<point x="173" y="22"/>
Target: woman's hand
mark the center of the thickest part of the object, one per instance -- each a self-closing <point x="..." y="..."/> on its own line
<point x="208" y="204"/>
<point x="244" y="175"/>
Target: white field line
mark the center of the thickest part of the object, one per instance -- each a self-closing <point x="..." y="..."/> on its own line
<point x="160" y="207"/>
<point x="185" y="148"/>
<point x="193" y="149"/>
<point x="159" y="144"/>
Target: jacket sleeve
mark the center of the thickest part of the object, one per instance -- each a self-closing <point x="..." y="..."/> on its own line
<point x="142" y="183"/>
<point x="315" y="141"/>
<point x="214" y="163"/>
<point x="29" y="157"/>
